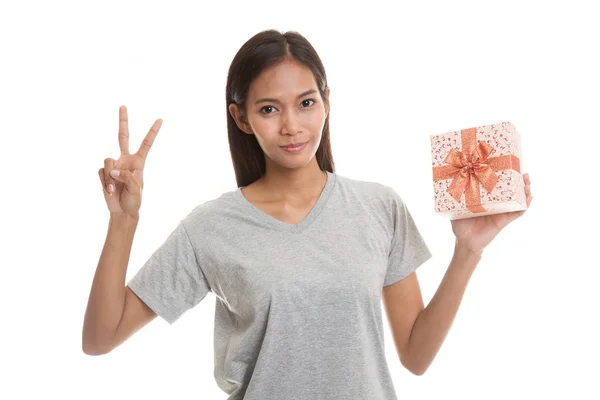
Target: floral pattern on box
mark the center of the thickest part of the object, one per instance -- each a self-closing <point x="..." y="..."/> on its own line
<point x="477" y="171"/>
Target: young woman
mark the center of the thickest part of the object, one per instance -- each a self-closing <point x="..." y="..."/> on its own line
<point x="298" y="257"/>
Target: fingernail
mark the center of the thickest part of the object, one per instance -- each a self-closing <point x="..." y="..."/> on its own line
<point x="115" y="172"/>
<point x="111" y="188"/>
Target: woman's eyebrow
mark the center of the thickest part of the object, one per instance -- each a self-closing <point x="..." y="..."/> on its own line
<point x="266" y="100"/>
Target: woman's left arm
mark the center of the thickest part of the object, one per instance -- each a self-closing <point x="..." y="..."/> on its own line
<point x="434" y="321"/>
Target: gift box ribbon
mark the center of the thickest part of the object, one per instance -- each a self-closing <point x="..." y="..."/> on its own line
<point x="471" y="167"/>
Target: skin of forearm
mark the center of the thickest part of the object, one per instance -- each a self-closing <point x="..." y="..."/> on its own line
<point x="107" y="295"/>
<point x="433" y="323"/>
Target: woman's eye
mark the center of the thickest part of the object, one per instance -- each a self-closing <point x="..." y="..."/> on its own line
<point x="264" y="108"/>
<point x="309" y="100"/>
<point x="303" y="102"/>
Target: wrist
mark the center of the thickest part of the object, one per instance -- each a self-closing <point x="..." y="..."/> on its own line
<point x="125" y="217"/>
<point x="465" y="255"/>
<point x="466" y="250"/>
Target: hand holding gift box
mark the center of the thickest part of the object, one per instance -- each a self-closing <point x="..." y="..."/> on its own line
<point x="477" y="173"/>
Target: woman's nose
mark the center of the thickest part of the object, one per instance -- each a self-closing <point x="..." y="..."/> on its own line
<point x="290" y="122"/>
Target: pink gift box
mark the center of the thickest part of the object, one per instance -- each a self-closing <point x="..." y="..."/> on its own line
<point x="478" y="171"/>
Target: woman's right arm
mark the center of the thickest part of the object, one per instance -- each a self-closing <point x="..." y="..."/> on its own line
<point x="114" y="312"/>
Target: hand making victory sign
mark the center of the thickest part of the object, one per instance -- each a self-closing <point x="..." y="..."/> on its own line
<point x="475" y="233"/>
<point x="123" y="192"/>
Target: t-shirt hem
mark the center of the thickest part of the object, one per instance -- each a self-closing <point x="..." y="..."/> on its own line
<point x="413" y="265"/>
<point x="152" y="303"/>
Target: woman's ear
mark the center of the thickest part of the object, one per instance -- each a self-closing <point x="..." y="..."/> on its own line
<point x="237" y="117"/>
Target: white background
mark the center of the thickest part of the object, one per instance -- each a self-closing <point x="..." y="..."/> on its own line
<point x="398" y="72"/>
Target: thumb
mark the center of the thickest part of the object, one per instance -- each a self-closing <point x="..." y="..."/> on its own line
<point x="126" y="177"/>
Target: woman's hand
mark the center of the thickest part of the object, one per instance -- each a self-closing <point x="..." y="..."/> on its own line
<point x="475" y="233"/>
<point x="126" y="194"/>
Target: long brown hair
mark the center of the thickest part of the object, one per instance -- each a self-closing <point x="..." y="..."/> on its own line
<point x="264" y="50"/>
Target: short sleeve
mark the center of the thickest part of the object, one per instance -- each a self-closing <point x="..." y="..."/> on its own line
<point x="171" y="281"/>
<point x="408" y="249"/>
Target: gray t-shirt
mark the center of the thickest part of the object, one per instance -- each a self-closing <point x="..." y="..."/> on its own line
<point x="298" y="306"/>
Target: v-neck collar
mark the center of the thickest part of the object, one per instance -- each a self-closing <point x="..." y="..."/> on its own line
<point x="284" y="226"/>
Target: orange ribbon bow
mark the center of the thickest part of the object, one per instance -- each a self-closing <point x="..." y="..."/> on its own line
<point x="472" y="166"/>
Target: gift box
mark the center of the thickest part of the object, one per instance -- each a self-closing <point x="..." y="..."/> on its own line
<point x="477" y="171"/>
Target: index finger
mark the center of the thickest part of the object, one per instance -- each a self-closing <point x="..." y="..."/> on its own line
<point x="149" y="139"/>
<point x="123" y="131"/>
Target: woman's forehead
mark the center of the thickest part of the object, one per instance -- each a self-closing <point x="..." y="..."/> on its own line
<point x="285" y="80"/>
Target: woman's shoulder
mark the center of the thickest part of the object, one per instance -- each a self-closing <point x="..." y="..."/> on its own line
<point x="211" y="207"/>
<point x="367" y="187"/>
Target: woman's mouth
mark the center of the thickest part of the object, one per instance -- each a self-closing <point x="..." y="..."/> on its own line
<point x="294" y="148"/>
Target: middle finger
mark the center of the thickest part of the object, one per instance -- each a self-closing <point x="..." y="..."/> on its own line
<point x="149" y="139"/>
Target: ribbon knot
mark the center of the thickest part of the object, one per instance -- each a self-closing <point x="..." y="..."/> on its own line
<point x="471" y="167"/>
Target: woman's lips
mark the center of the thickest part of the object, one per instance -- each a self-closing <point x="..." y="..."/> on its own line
<point x="294" y="149"/>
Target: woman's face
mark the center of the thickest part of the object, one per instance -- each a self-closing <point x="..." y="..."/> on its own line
<point x="284" y="106"/>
